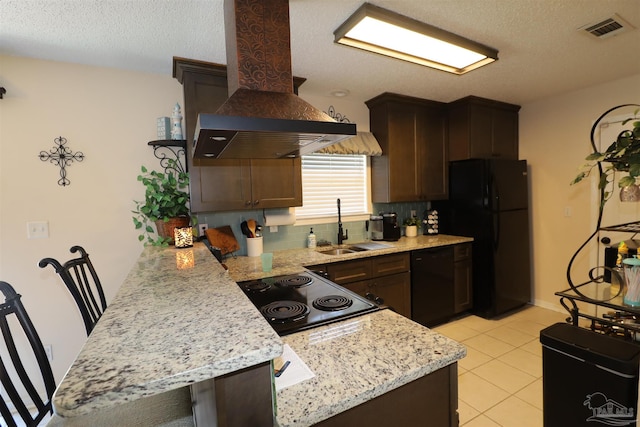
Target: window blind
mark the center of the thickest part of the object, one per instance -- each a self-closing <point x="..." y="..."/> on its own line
<point x="327" y="177"/>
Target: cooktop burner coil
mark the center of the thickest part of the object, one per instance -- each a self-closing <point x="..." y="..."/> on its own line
<point x="285" y="311"/>
<point x="256" y="286"/>
<point x="332" y="303"/>
<point x="294" y="281"/>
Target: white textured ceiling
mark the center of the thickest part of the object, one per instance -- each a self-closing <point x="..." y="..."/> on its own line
<point x="541" y="52"/>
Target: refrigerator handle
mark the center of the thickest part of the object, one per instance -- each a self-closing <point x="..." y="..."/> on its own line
<point x="496" y="198"/>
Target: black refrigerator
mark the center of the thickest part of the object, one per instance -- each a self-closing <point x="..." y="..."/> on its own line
<point x="488" y="200"/>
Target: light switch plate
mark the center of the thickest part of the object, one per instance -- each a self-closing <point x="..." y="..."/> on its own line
<point x="37" y="230"/>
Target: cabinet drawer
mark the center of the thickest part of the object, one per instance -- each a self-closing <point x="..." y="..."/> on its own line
<point x="390" y="264"/>
<point x="349" y="271"/>
<point x="462" y="251"/>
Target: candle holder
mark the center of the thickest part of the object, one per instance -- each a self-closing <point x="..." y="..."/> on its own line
<point x="183" y="237"/>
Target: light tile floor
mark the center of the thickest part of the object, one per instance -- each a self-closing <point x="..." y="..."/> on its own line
<point x="500" y="380"/>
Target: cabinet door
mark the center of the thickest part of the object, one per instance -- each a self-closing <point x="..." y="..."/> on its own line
<point x="462" y="282"/>
<point x="480" y="132"/>
<point x="434" y="156"/>
<point x="395" y="290"/>
<point x="482" y="129"/>
<point x="276" y="183"/>
<point x="505" y="134"/>
<point x="211" y="189"/>
<point x="224" y="185"/>
<point x="412" y="133"/>
<point x="405" y="131"/>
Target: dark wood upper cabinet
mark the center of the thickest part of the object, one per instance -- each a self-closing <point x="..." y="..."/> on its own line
<point x="412" y="133"/>
<point x="482" y="128"/>
<point x="230" y="184"/>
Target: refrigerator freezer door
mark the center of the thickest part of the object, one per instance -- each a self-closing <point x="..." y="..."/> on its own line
<point x="511" y="261"/>
<point x="508" y="184"/>
<point x="501" y="275"/>
<point x="489" y="184"/>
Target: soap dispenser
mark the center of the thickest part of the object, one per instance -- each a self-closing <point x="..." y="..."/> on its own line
<point x="311" y="239"/>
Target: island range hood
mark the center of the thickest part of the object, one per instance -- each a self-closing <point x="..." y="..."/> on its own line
<point x="263" y="118"/>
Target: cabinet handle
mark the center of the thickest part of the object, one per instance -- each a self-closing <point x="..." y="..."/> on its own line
<point x="247" y="203"/>
<point x="256" y="202"/>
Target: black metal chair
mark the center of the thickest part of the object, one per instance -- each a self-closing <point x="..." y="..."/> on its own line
<point x="83" y="283"/>
<point x="12" y="368"/>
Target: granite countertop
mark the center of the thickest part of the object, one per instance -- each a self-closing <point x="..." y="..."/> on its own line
<point x="159" y="334"/>
<point x="291" y="261"/>
<point x="166" y="329"/>
<point x="357" y="360"/>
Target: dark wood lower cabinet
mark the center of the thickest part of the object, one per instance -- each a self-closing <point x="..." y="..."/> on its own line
<point x="384" y="279"/>
<point x="240" y="399"/>
<point x="393" y="291"/>
<point x="428" y="401"/>
<point x="462" y="278"/>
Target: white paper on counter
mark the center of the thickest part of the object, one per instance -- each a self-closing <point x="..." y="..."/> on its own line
<point x="296" y="372"/>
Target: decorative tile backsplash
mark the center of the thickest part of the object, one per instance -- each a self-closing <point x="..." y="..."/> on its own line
<point x="295" y="236"/>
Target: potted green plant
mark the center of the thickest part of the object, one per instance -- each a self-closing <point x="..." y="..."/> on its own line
<point x="411" y="226"/>
<point x="622" y="156"/>
<point x="166" y="203"/>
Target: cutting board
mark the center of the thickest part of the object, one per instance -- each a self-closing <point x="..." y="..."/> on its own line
<point x="223" y="238"/>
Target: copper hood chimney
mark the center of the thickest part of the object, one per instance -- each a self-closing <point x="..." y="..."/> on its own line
<point x="263" y="118"/>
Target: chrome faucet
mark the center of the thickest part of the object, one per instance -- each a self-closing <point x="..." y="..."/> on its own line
<point x="342" y="236"/>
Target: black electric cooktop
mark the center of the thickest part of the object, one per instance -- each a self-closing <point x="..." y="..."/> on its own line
<point x="302" y="301"/>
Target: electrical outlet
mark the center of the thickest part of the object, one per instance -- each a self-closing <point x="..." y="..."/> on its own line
<point x="49" y="350"/>
<point x="202" y="228"/>
<point x="413" y="213"/>
<point x="37" y="230"/>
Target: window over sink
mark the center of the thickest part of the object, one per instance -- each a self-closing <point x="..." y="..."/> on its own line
<point x="327" y="177"/>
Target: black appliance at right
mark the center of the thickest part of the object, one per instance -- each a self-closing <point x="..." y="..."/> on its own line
<point x="588" y="378"/>
<point x="488" y="200"/>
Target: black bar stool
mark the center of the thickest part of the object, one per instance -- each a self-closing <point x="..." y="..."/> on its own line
<point x="82" y="281"/>
<point x="12" y="307"/>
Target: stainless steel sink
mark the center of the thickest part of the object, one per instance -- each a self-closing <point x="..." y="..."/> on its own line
<point x="341" y="251"/>
<point x="337" y="251"/>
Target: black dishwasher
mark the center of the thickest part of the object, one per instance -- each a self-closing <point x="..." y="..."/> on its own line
<point x="432" y="290"/>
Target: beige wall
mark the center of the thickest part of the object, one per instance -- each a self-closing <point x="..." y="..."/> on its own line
<point x="109" y="115"/>
<point x="554" y="139"/>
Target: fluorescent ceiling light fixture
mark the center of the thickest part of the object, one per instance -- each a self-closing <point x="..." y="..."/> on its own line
<point x="388" y="33"/>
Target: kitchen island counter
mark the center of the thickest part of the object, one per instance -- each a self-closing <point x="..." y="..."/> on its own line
<point x="177" y="319"/>
<point x="180" y="318"/>
<point x="357" y="360"/>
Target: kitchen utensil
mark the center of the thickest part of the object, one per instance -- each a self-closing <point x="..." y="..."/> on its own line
<point x="223" y="238"/>
<point x="251" y="223"/>
<point x="254" y="246"/>
<point x="245" y="229"/>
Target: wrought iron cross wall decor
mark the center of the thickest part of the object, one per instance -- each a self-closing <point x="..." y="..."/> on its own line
<point x="61" y="156"/>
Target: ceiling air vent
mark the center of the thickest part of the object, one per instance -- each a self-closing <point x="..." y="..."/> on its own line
<point x="609" y="27"/>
